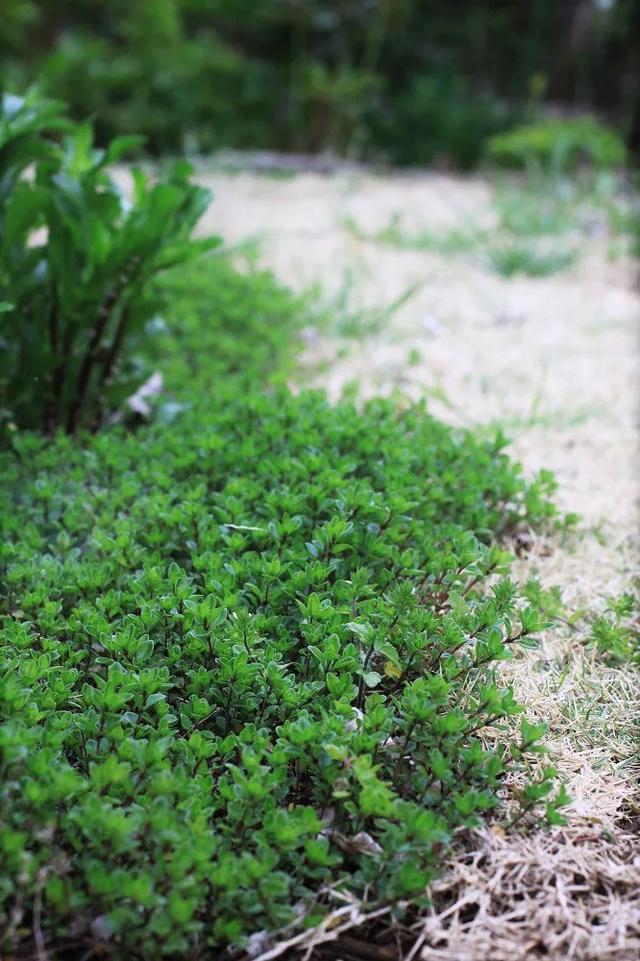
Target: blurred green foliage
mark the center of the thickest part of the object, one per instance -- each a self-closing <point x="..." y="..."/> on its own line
<point x="558" y="146"/>
<point x="457" y="121"/>
<point x="220" y="322"/>
<point x="398" y="80"/>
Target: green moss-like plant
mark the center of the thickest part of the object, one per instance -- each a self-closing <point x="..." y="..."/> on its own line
<point x="245" y="657"/>
<point x="218" y="322"/>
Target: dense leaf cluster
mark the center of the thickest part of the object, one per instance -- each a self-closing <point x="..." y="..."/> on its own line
<point x="218" y="322"/>
<point x="77" y="261"/>
<point x="245" y="657"/>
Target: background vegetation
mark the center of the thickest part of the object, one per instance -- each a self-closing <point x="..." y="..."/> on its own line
<point x="399" y="80"/>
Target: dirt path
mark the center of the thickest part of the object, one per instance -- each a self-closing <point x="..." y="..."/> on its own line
<point x="556" y="360"/>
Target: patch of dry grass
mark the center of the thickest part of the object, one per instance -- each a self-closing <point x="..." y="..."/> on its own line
<point x="571" y="894"/>
<point x="556" y="359"/>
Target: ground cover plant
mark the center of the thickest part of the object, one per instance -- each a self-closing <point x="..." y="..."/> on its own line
<point x="219" y="320"/>
<point x="245" y="657"/>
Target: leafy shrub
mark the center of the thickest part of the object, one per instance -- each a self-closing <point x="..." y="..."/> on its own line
<point x="76" y="265"/>
<point x="245" y="657"/>
<point x="182" y="94"/>
<point x="559" y="145"/>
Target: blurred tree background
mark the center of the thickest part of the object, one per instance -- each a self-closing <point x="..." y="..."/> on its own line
<point x="401" y="81"/>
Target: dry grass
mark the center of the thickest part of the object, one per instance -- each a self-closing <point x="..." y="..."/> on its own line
<point x="565" y="896"/>
<point x="557" y="361"/>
